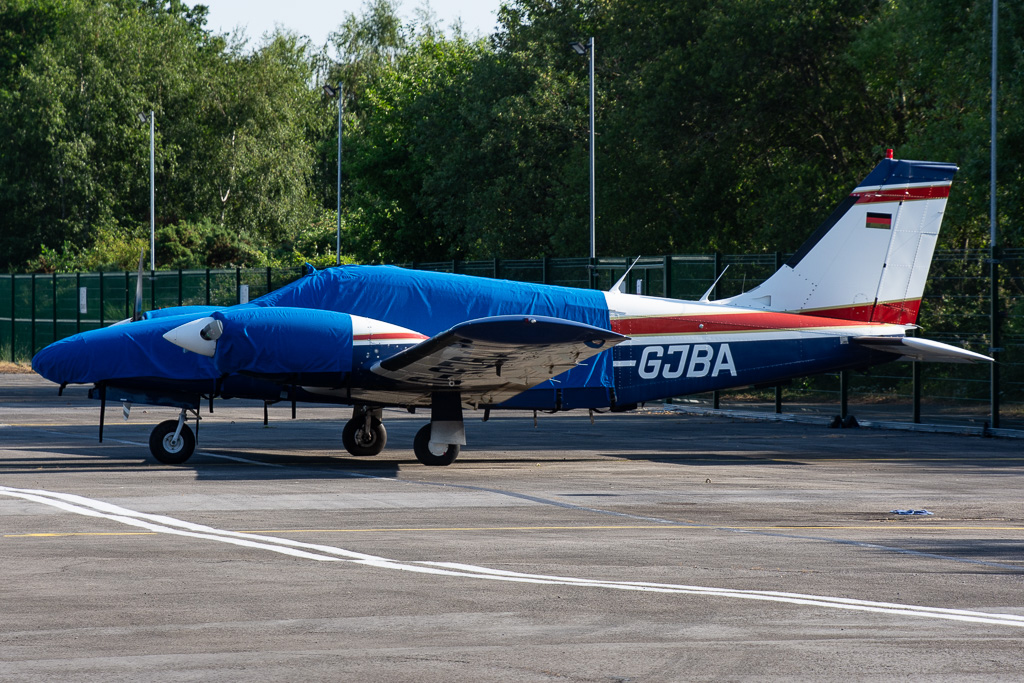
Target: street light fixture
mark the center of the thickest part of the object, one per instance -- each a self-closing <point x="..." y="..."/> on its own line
<point x="582" y="49"/>
<point x="152" y="187"/>
<point x="336" y="92"/>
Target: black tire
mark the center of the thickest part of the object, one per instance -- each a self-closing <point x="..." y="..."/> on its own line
<point x="167" y="451"/>
<point x="421" y="447"/>
<point x="360" y="442"/>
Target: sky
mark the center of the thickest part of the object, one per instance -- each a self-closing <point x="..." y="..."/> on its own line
<point x="317" y="18"/>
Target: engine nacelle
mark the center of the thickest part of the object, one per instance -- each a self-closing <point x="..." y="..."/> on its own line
<point x="299" y="344"/>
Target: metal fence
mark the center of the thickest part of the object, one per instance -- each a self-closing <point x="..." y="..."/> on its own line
<point x="972" y="300"/>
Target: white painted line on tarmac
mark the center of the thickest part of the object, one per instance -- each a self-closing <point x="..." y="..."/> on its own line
<point x="311" y="551"/>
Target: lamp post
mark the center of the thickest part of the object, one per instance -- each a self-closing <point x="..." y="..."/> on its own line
<point x="994" y="320"/>
<point x="152" y="187"/>
<point x="588" y="49"/>
<point x="336" y="92"/>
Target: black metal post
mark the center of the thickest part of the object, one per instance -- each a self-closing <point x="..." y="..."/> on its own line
<point x="14" y="315"/>
<point x="844" y="381"/>
<point x="778" y="387"/>
<point x="32" y="316"/>
<point x="995" y="323"/>
<point x="916" y="370"/>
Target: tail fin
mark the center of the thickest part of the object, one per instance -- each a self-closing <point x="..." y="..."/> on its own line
<point x="870" y="259"/>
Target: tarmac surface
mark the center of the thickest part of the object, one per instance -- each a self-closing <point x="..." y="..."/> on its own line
<point x="646" y="547"/>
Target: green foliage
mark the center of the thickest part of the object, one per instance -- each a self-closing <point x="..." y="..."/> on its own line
<point x="729" y="125"/>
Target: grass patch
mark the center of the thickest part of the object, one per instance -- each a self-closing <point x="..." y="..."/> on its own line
<point x="8" y="368"/>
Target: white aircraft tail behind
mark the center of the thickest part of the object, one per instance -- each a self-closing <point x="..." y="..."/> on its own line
<point x="870" y="259"/>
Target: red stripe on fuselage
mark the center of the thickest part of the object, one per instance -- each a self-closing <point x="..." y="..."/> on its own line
<point x="906" y="194"/>
<point x="735" y="322"/>
<point x="389" y="336"/>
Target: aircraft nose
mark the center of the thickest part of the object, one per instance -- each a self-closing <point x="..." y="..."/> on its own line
<point x="199" y="336"/>
<point x="132" y="350"/>
<point x="61" y="360"/>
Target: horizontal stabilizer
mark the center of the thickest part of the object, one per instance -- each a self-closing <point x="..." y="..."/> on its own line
<point x="913" y="348"/>
<point x="497" y="357"/>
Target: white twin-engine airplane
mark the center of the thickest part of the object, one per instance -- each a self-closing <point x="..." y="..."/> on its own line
<point x="379" y="336"/>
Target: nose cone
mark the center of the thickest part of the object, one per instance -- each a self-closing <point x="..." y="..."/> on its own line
<point x="199" y="336"/>
<point x="135" y="349"/>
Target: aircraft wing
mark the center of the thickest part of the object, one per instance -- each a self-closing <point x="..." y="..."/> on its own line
<point x="914" y="348"/>
<point x="493" y="359"/>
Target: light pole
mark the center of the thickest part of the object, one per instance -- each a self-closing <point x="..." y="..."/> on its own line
<point x="152" y="188"/>
<point x="332" y="92"/>
<point x="588" y="49"/>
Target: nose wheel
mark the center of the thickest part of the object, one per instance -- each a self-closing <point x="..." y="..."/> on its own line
<point x="364" y="434"/>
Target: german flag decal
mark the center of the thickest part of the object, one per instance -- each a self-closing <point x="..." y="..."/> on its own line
<point x="882" y="221"/>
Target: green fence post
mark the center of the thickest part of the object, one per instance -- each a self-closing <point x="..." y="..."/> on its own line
<point x="714" y="276"/>
<point x="181" y="287"/>
<point x="666" y="269"/>
<point x="78" y="302"/>
<point x="32" y="317"/>
<point x="238" y="285"/>
<point x="207" y="286"/>
<point x="55" y="307"/>
<point x="101" y="298"/>
<point x="14" y="317"/>
<point x="270" y="281"/>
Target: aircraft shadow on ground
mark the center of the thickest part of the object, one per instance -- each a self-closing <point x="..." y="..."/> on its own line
<point x="312" y="448"/>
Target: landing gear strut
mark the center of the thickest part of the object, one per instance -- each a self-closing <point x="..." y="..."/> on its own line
<point x="364" y="434"/>
<point x="172" y="442"/>
<point x="438" y="442"/>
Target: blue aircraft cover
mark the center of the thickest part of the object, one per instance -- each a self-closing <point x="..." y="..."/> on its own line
<point x="135" y="349"/>
<point x="195" y="311"/>
<point x="281" y="340"/>
<point x="431" y="303"/>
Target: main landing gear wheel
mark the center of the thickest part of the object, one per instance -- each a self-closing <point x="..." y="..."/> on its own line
<point x="421" y="447"/>
<point x="360" y="441"/>
<point x="168" y="450"/>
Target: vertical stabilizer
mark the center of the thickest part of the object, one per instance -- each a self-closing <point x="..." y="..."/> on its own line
<point x="869" y="260"/>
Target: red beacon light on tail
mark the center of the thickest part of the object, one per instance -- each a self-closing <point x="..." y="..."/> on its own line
<point x="888" y="154"/>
